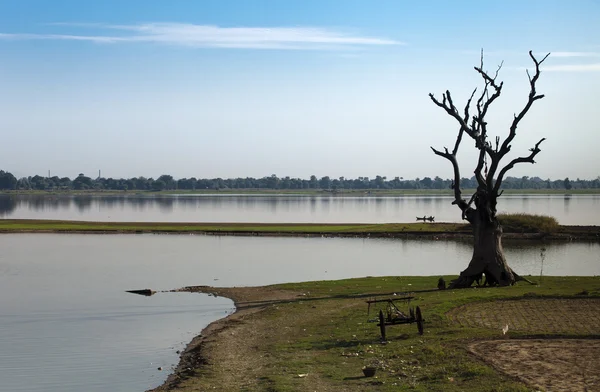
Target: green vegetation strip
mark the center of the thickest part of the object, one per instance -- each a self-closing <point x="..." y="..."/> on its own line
<point x="515" y="224"/>
<point x="321" y="340"/>
<point x="25" y="225"/>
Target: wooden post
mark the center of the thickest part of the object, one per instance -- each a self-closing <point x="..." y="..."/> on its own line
<point x="382" y="325"/>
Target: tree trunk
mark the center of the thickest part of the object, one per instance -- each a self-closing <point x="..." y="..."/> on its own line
<point x="488" y="256"/>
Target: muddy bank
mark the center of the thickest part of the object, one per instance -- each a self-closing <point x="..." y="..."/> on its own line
<point x="200" y="351"/>
<point x="591" y="235"/>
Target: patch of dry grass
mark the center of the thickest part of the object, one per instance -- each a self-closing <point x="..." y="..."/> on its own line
<point x="528" y="223"/>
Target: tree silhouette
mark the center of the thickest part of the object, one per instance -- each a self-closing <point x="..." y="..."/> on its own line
<point x="480" y="211"/>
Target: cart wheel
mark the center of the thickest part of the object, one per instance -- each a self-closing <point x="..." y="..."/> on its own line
<point x="382" y="325"/>
<point x="419" y="321"/>
<point x="412" y="313"/>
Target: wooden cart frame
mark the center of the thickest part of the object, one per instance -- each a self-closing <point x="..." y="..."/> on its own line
<point x="394" y="316"/>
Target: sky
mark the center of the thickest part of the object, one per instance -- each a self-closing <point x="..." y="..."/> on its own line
<point x="294" y="88"/>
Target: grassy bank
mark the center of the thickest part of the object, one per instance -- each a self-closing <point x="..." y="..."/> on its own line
<point x="516" y="226"/>
<point x="16" y="225"/>
<point x="528" y="223"/>
<point x="319" y="337"/>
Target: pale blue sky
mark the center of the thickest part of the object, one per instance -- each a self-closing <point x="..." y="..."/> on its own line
<point x="251" y="88"/>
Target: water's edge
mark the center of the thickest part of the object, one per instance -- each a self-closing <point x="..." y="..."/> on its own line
<point x="566" y="233"/>
<point x="247" y="300"/>
<point x="192" y="357"/>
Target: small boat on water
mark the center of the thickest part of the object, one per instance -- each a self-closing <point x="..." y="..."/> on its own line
<point x="146" y="292"/>
<point x="426" y="218"/>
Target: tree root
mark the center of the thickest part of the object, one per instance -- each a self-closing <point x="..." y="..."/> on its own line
<point x="519" y="278"/>
<point x="466" y="280"/>
<point x="463" y="282"/>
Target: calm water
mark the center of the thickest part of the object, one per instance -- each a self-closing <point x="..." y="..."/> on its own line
<point x="67" y="325"/>
<point x="569" y="210"/>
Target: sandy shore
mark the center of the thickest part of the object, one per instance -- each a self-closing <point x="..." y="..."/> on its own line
<point x="203" y="348"/>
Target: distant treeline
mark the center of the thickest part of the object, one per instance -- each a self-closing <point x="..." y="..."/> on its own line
<point x="166" y="182"/>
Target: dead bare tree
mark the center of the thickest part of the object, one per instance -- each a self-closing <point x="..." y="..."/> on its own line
<point x="480" y="211"/>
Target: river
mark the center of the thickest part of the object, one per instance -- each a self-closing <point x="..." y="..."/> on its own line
<point x="66" y="323"/>
<point x="567" y="209"/>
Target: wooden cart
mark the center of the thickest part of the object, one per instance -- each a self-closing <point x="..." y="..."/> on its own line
<point x="394" y="316"/>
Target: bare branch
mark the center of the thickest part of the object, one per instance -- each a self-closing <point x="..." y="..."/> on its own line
<point x="478" y="175"/>
<point x="484" y="101"/>
<point x="533" y="96"/>
<point x="466" y="119"/>
<point x="481" y="59"/>
<point x="488" y="102"/>
<point x="448" y="105"/>
<point x="468" y="105"/>
<point x="498" y="70"/>
<point x="458" y="200"/>
<point x="528" y="159"/>
<point x="487" y="78"/>
<point x="506" y="145"/>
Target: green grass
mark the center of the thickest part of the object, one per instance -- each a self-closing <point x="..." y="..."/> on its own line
<point x="326" y="334"/>
<point x="528" y="223"/>
<point x="335" y="340"/>
<point x="19" y="225"/>
<point x="513" y="224"/>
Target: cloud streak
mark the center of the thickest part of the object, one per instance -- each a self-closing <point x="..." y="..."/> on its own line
<point x="573" y="68"/>
<point x="208" y="36"/>
<point x="570" y="56"/>
<point x="575" y="54"/>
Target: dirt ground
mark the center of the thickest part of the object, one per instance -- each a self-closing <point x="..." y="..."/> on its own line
<point x="232" y="342"/>
<point x="557" y="365"/>
<point x="232" y="346"/>
<point x="536" y="316"/>
<point x="569" y="365"/>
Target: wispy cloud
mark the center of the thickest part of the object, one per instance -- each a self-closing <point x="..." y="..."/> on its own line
<point x="572" y="68"/>
<point x="206" y="36"/>
<point x="68" y="37"/>
<point x="575" y="54"/>
<point x="566" y="57"/>
<point x="594" y="67"/>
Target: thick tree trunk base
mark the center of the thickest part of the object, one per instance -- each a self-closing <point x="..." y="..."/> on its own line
<point x="488" y="261"/>
<point x="465" y="281"/>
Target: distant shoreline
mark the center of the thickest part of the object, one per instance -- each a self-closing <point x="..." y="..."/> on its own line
<point x="433" y="231"/>
<point x="300" y="192"/>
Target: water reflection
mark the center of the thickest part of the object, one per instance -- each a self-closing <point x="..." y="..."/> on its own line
<point x="82" y="203"/>
<point x="575" y="209"/>
<point x="7" y="205"/>
<point x="567" y="201"/>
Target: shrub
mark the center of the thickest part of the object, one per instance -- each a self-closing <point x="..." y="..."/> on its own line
<point x="528" y="223"/>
